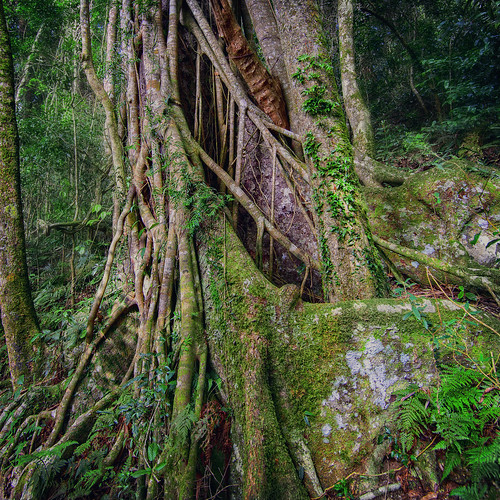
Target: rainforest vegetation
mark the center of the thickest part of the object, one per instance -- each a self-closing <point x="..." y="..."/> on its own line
<point x="249" y="249"/>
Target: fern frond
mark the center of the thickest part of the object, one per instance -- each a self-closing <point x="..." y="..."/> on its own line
<point x="92" y="477"/>
<point x="484" y="454"/>
<point x="456" y="377"/>
<point x="54" y="451"/>
<point x="442" y="445"/>
<point x="412" y="413"/>
<point x="454" y="428"/>
<point x="182" y="425"/>
<point x="80" y="450"/>
<point x="488" y="471"/>
<point x="472" y="491"/>
<point x="453" y="460"/>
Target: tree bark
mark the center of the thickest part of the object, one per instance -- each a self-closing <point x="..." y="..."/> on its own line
<point x="351" y="267"/>
<point x="264" y="88"/>
<point x="17" y="312"/>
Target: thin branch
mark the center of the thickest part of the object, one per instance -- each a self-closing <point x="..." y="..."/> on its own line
<point x="109" y="262"/>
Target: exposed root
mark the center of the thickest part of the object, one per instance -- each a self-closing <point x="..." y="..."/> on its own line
<point x="481" y="277"/>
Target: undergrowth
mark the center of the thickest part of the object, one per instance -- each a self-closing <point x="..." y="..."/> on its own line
<point x="459" y="415"/>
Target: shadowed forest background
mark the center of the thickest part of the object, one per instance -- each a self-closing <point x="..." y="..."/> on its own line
<point x="258" y="249"/>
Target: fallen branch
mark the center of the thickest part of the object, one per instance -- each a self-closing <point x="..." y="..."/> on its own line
<point x="383" y="490"/>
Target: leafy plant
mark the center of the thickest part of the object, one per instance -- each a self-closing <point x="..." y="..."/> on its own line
<point x="460" y="414"/>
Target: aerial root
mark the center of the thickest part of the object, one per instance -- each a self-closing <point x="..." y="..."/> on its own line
<point x="109" y="262"/>
<point x="8" y="449"/>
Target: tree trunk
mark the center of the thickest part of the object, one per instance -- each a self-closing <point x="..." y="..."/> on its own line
<point x="350" y="266"/>
<point x="355" y="107"/>
<point x="17" y="311"/>
<point x="370" y="172"/>
<point x="190" y="299"/>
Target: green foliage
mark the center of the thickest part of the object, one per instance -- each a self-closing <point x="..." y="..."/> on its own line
<point x="398" y="451"/>
<point x="461" y="413"/>
<point x="446" y="52"/>
<point x="203" y="202"/>
<point x="341" y="488"/>
<point x="181" y="426"/>
<point x="316" y="104"/>
<point x="47" y="467"/>
<point x="90" y="472"/>
<point x="336" y="192"/>
<point x="154" y="397"/>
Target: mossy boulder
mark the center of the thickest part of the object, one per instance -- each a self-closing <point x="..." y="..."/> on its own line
<point x="446" y="212"/>
<point x="342" y="365"/>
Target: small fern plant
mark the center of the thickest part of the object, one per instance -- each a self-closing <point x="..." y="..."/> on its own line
<point x="462" y="415"/>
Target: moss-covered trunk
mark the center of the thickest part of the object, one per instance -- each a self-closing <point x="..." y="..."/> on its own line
<point x="350" y="263"/>
<point x="17" y="311"/>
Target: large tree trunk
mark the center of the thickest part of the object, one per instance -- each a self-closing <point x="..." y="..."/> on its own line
<point x="350" y="265"/>
<point x="17" y="311"/>
<point x="355" y="107"/>
<point x="195" y="301"/>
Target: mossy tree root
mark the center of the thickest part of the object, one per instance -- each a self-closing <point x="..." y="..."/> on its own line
<point x="481" y="278"/>
<point x="241" y="346"/>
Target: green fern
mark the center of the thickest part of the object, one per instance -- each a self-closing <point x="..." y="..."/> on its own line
<point x="473" y="491"/>
<point x="47" y="471"/>
<point x="182" y="425"/>
<point x="453" y="460"/>
<point x="55" y="451"/>
<point x="462" y="412"/>
<point x="456" y="429"/>
<point x="484" y="454"/>
<point x="80" y="450"/>
<point x="412" y="412"/>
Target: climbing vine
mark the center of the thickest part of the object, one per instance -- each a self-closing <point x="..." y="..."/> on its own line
<point x="336" y="191"/>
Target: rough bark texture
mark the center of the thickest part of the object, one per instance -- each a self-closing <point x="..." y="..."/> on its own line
<point x="17" y="311"/>
<point x="350" y="264"/>
<point x="266" y="30"/>
<point x="264" y="88"/>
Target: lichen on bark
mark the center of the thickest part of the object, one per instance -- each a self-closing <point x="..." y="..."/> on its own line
<point x="17" y="312"/>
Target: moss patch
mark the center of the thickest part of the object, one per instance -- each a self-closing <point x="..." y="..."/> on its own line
<point x="445" y="213"/>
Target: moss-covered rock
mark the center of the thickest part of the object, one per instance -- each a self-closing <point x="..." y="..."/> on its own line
<point x="446" y="213"/>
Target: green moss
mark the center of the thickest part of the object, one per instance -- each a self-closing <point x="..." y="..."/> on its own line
<point x="300" y="365"/>
<point x="336" y="190"/>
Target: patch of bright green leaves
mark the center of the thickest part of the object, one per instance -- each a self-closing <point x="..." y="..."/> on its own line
<point x="460" y="413"/>
<point x="316" y="104"/>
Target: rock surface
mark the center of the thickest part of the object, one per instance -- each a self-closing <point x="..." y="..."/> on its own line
<point x="445" y="213"/>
